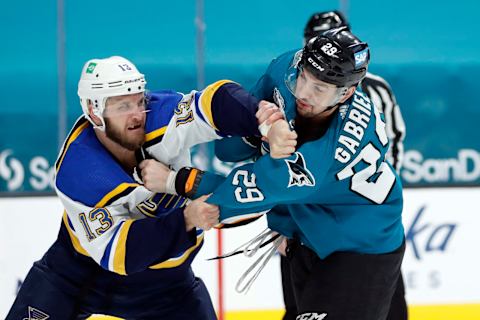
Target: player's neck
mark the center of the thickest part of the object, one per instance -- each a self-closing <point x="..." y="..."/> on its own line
<point x="124" y="156"/>
<point x="309" y="129"/>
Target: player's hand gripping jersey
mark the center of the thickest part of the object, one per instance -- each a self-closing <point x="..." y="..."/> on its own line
<point x="106" y="206"/>
<point x="336" y="193"/>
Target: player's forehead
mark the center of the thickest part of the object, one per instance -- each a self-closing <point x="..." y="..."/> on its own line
<point x="312" y="80"/>
<point x="136" y="97"/>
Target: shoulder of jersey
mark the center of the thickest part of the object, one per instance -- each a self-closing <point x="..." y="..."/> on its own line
<point x="86" y="171"/>
<point x="285" y="60"/>
<point x="161" y="106"/>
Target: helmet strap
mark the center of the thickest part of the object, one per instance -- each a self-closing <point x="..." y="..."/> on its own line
<point x="98" y="113"/>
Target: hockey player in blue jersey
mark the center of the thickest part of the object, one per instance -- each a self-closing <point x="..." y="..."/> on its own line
<point x="123" y="250"/>
<point x="336" y="196"/>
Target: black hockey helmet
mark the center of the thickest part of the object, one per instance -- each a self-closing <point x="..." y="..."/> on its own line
<point x="337" y="57"/>
<point x="323" y="21"/>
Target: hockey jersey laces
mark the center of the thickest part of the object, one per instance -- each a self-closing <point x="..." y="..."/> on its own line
<point x="249" y="249"/>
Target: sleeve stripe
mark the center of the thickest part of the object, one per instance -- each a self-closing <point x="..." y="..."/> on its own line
<point x="75" y="242"/>
<point x="163" y="197"/>
<point x="155" y="134"/>
<point x="206" y="100"/>
<point x="120" y="191"/>
<point x="120" y="250"/>
<point x="185" y="200"/>
<point x="169" y="201"/>
<point x="146" y="213"/>
<point x="198" y="111"/>
<point x="106" y="254"/>
<point x="149" y="212"/>
<point x="176" y="202"/>
<point x="175" y="262"/>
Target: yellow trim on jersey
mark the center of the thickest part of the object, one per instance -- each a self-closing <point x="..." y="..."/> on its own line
<point x="184" y="202"/>
<point x="75" y="242"/>
<point x="121" y="249"/>
<point x="154" y="134"/>
<point x="72" y="138"/>
<point x="175" y="262"/>
<point x="176" y="202"/>
<point x="169" y="201"/>
<point x="148" y="207"/>
<point x="119" y="189"/>
<point x="145" y="212"/>
<point x="206" y="100"/>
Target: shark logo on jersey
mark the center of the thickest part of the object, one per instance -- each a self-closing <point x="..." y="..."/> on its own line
<point x="299" y="174"/>
<point x="278" y="99"/>
<point x="35" y="314"/>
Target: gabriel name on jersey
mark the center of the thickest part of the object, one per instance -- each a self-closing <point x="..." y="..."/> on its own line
<point x="335" y="193"/>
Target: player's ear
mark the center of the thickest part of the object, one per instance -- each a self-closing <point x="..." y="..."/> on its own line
<point x="348" y="94"/>
<point x="92" y="115"/>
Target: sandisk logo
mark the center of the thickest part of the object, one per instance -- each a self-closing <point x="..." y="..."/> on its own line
<point x="11" y="170"/>
<point x="314" y="64"/>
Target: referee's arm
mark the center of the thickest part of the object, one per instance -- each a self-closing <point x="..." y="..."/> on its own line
<point x="382" y="96"/>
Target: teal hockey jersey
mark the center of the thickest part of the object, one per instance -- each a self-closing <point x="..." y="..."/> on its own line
<point x="337" y="193"/>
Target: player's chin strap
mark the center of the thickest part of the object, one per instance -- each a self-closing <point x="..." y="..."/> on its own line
<point x="249" y="249"/>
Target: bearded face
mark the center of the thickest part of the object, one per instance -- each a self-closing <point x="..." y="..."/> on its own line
<point x="125" y="120"/>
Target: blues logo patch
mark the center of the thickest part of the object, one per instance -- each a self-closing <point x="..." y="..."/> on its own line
<point x="35" y="314"/>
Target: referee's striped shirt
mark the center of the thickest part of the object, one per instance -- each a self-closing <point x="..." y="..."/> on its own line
<point x="383" y="98"/>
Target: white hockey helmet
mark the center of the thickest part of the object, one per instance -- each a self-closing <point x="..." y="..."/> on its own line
<point x="104" y="78"/>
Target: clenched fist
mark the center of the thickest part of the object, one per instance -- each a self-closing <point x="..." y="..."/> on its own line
<point x="282" y="140"/>
<point x="267" y="114"/>
<point x="200" y="214"/>
<point x="155" y="176"/>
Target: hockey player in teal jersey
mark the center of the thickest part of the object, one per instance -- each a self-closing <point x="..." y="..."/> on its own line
<point x="123" y="250"/>
<point x="336" y="196"/>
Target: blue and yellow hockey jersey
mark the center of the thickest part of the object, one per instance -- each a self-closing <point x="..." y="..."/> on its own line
<point x="114" y="219"/>
<point x="337" y="193"/>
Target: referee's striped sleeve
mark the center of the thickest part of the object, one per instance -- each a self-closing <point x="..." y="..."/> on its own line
<point x="382" y="96"/>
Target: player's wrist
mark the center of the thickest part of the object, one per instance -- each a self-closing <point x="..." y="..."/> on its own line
<point x="264" y="128"/>
<point x="188" y="223"/>
<point x="170" y="183"/>
<point x="187" y="180"/>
